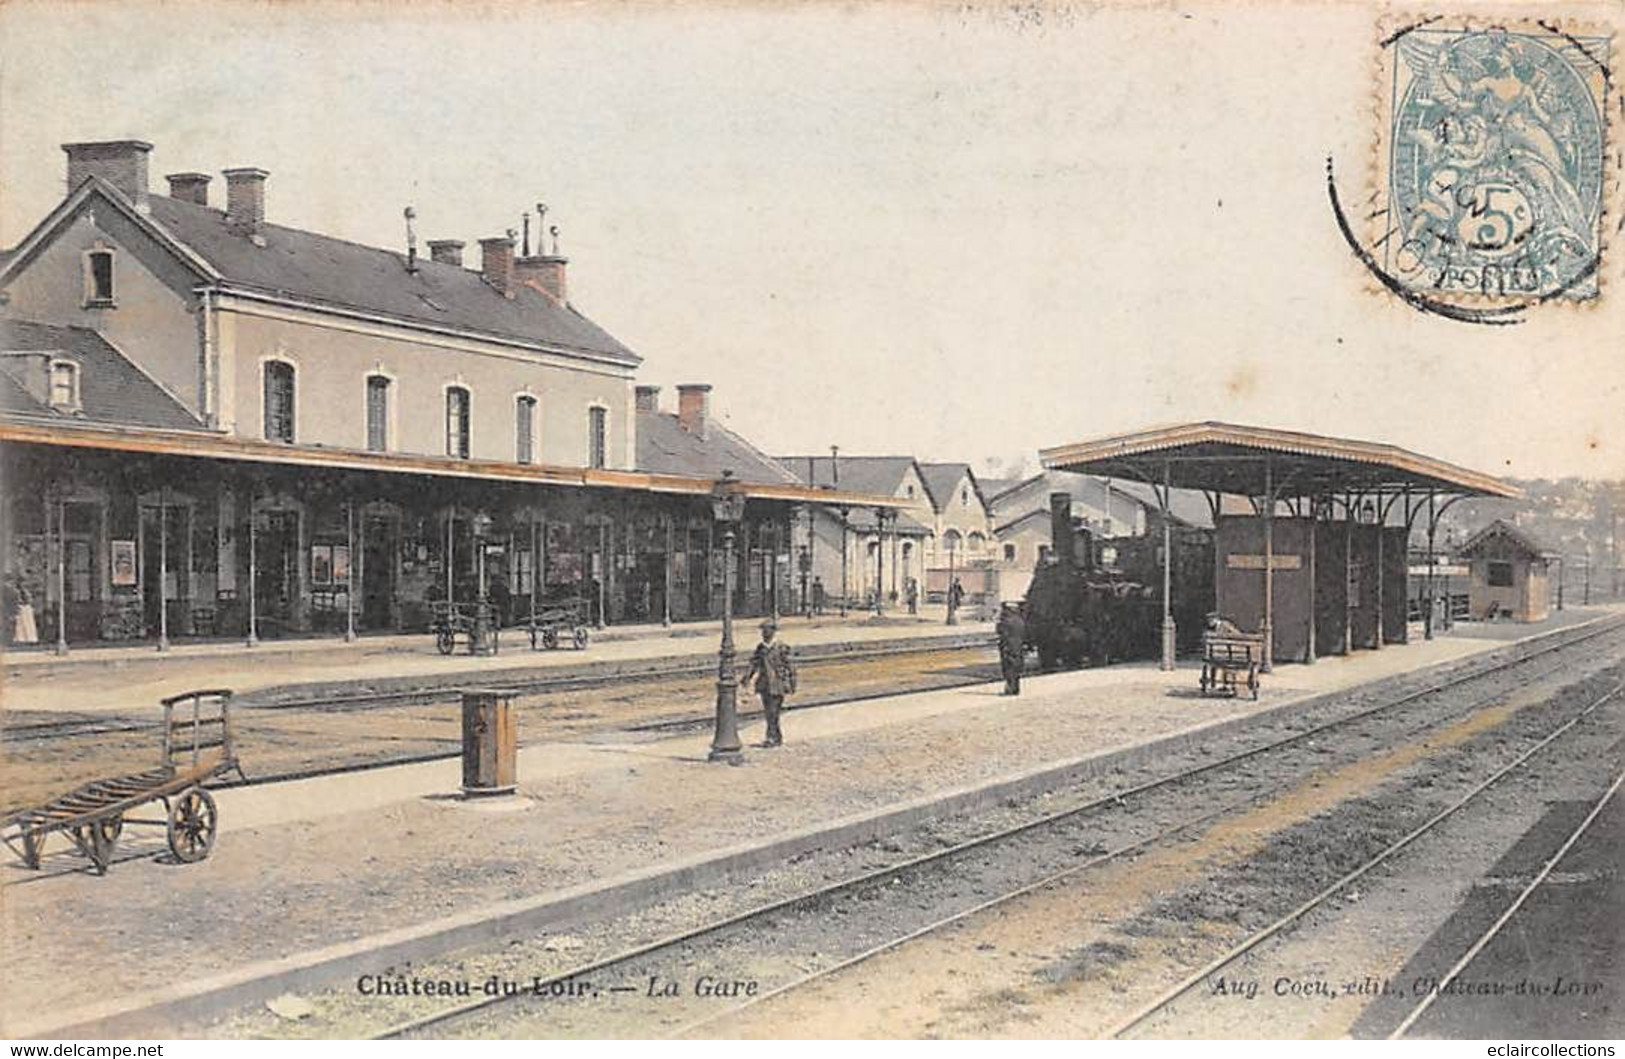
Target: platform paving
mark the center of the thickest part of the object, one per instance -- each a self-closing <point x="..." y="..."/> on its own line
<point x="348" y="860"/>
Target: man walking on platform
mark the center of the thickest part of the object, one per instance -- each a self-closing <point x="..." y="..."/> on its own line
<point x="818" y="596"/>
<point x="775" y="677"/>
<point x="1012" y="632"/>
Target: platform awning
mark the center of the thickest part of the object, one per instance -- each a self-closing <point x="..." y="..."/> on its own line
<point x="217" y="446"/>
<point x="1250" y="461"/>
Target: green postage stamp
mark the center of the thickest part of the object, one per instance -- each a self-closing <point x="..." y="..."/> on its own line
<point x="1492" y="163"/>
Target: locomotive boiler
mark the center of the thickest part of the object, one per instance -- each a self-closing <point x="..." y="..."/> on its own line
<point x="1099" y="600"/>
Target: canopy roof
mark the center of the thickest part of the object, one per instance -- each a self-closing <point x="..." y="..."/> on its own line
<point x="1249" y="461"/>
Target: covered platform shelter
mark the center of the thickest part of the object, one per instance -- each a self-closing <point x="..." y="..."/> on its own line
<point x="1311" y="532"/>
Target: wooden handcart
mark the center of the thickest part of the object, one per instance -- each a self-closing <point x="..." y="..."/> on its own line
<point x="1230" y="660"/>
<point x="198" y="746"/>
<point x="450" y="621"/>
<point x="549" y="626"/>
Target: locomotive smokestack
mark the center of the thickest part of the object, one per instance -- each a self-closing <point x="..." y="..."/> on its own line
<point x="1060" y="528"/>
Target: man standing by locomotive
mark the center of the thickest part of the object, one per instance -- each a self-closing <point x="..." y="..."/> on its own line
<point x="1012" y="632"/>
<point x="775" y="677"/>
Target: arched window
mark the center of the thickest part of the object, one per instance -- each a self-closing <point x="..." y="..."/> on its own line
<point x="524" y="428"/>
<point x="279" y="401"/>
<point x="377" y="413"/>
<point x="976" y="540"/>
<point x="64" y="389"/>
<point x="1009" y="553"/>
<point x="952" y="541"/>
<point x="457" y="426"/>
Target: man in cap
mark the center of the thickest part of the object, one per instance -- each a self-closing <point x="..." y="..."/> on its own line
<point x="775" y="677"/>
<point x="1012" y="632"/>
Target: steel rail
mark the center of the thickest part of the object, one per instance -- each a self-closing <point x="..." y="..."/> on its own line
<point x="1506" y="917"/>
<point x="1259" y="937"/>
<point x="1559" y="642"/>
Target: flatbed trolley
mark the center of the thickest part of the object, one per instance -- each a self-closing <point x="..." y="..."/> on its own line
<point x="1230" y="660"/>
<point x="198" y="745"/>
<point x="451" y="620"/>
<point x="549" y="625"/>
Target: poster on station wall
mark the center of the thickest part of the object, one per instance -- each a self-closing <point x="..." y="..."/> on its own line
<point x="123" y="569"/>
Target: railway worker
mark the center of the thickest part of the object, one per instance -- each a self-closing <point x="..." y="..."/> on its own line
<point x="1012" y="632"/>
<point x="774" y="676"/>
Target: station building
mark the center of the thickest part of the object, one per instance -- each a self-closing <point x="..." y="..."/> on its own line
<point x="1508" y="574"/>
<point x="215" y="424"/>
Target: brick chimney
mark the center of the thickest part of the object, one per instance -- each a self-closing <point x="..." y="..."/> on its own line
<point x="447" y="251"/>
<point x="693" y="404"/>
<point x="245" y="200"/>
<point x="648" y="398"/>
<point x="496" y="262"/>
<point x="545" y="272"/>
<point x="189" y="187"/>
<point x="122" y="163"/>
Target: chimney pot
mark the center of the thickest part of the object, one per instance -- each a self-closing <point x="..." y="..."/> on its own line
<point x="122" y="163"/>
<point x="496" y="263"/>
<point x="245" y="199"/>
<point x="693" y="406"/>
<point x="648" y="398"/>
<point x="545" y="273"/>
<point x="189" y="187"/>
<point x="447" y="251"/>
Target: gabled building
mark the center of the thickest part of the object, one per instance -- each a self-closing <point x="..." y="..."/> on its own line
<point x="1509" y="574"/>
<point x="213" y="423"/>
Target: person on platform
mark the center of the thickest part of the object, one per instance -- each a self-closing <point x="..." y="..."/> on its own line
<point x="773" y="675"/>
<point x="1012" y="633"/>
<point x="818" y="596"/>
<point x="912" y="591"/>
<point x="956" y="596"/>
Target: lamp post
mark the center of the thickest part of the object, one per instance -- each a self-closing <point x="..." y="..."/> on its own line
<point x="953" y="604"/>
<point x="484" y="633"/>
<point x="727" y="507"/>
<point x="845" y="547"/>
<point x="804" y="566"/>
<point x="880" y="561"/>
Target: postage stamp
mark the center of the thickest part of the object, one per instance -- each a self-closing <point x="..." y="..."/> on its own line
<point x="1491" y="167"/>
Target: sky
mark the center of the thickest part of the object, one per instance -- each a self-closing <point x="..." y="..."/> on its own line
<point x="957" y="231"/>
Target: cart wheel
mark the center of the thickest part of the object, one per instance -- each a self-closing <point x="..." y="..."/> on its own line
<point x="191" y="825"/>
<point x="580" y="637"/>
<point x="445" y="640"/>
<point x="550" y="638"/>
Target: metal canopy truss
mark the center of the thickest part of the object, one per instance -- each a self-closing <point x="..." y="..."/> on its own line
<point x="1275" y="467"/>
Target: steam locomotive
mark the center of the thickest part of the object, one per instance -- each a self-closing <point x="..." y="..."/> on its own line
<point x="1099" y="600"/>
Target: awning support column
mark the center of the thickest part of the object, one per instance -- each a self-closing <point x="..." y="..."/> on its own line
<point x="253" y="573"/>
<point x="1427" y="616"/>
<point x="1269" y="566"/>
<point x="665" y="597"/>
<point x="163" y="568"/>
<point x="61" y="569"/>
<point x="1350" y="604"/>
<point x="349" y="572"/>
<point x="1169" y="632"/>
<point x="1311" y="650"/>
<point x="880" y="561"/>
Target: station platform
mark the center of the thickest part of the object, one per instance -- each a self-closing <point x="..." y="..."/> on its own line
<point x="133" y="679"/>
<point x="320" y="879"/>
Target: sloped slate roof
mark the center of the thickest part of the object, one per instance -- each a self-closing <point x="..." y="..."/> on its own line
<point x="862" y="520"/>
<point x="664" y="447"/>
<point x="876" y="475"/>
<point x="1506" y="530"/>
<point x="1184" y="505"/>
<point x="993" y="488"/>
<point x="940" y="479"/>
<point x="331" y="271"/>
<point x="111" y="389"/>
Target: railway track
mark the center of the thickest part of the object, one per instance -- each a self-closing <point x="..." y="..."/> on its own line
<point x="999" y="848"/>
<point x="81" y="726"/>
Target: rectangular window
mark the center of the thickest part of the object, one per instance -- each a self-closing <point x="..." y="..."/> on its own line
<point x="99" y="281"/>
<point x="457" y="423"/>
<point x="279" y="401"/>
<point x="597" y="437"/>
<point x="524" y="428"/>
<point x="64" y="386"/>
<point x="1500" y="575"/>
<point x="377" y="413"/>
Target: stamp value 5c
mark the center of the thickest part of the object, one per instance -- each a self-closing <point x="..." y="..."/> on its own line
<point x="1492" y="155"/>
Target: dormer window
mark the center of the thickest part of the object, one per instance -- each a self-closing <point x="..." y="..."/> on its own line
<point x="64" y="386"/>
<point x="99" y="278"/>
